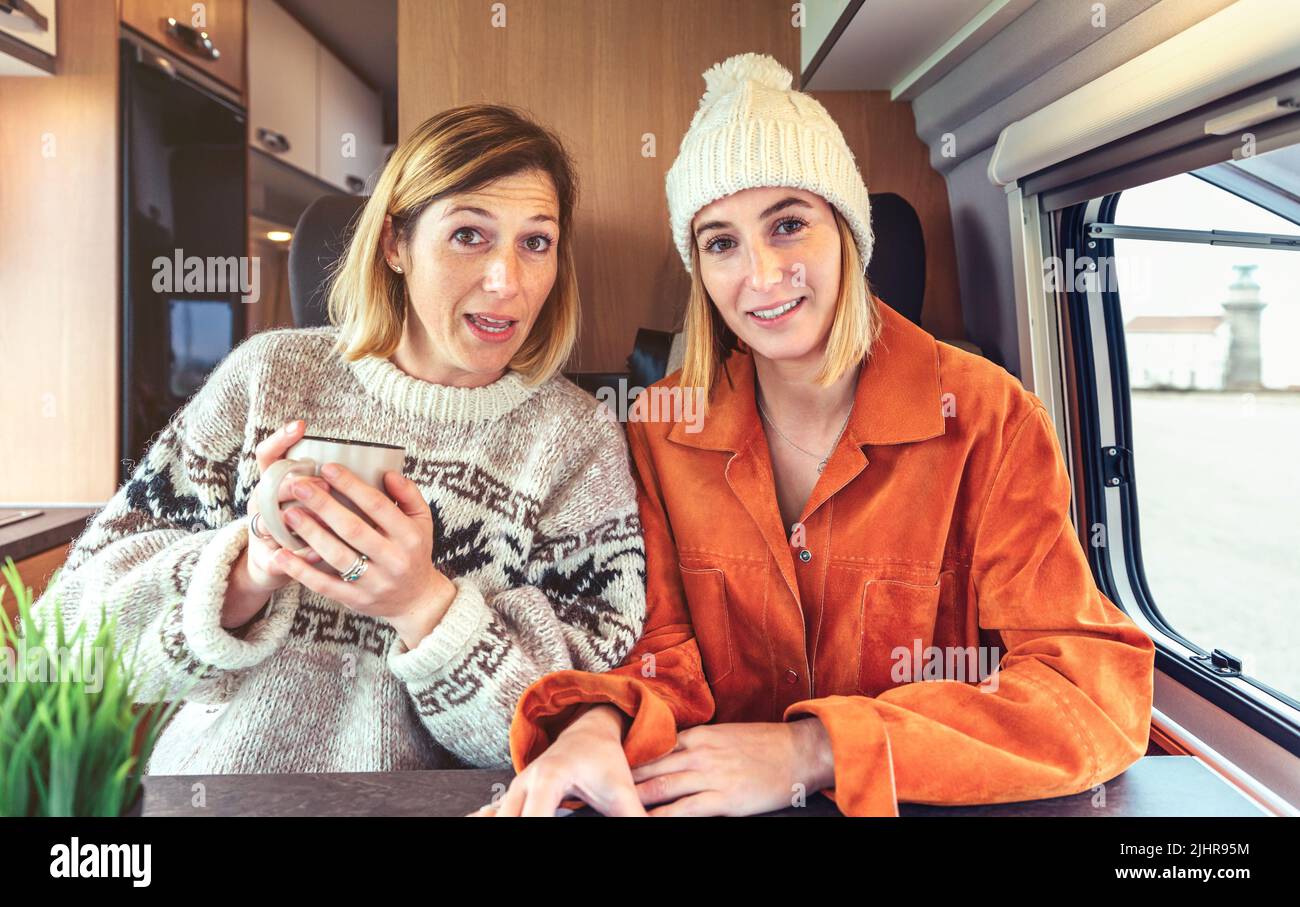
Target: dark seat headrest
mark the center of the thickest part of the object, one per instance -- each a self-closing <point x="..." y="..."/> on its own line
<point x="897" y="268"/>
<point x="319" y="239"/>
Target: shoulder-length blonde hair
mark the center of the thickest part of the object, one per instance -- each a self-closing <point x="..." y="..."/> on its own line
<point x="458" y="150"/>
<point x="853" y="331"/>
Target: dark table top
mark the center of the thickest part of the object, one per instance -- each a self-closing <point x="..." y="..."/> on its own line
<point x="1153" y="786"/>
<point x="56" y="526"/>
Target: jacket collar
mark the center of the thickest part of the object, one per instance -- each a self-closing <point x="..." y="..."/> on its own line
<point x="897" y="400"/>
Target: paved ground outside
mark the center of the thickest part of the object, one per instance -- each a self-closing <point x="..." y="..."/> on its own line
<point x="1219" y="509"/>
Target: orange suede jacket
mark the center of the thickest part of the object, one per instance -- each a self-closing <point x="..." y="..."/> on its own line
<point x="942" y="519"/>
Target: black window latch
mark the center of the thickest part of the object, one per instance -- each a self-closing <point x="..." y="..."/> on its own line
<point x="1220" y="662"/>
<point x="1116" y="466"/>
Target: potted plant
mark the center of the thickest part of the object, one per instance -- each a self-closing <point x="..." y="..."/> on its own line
<point x="68" y="726"/>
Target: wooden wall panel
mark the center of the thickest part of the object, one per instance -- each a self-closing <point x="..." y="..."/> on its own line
<point x="882" y="135"/>
<point x="602" y="73"/>
<point x="58" y="269"/>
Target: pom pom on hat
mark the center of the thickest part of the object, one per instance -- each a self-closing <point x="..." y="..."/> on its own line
<point x="752" y="129"/>
<point x="727" y="76"/>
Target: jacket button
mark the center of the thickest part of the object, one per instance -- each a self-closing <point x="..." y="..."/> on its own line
<point x="805" y="555"/>
<point x="791" y="677"/>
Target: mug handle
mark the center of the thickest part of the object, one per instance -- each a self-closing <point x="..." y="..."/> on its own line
<point x="268" y="501"/>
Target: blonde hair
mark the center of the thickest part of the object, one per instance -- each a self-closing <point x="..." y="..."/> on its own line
<point x="853" y="331"/>
<point x="458" y="150"/>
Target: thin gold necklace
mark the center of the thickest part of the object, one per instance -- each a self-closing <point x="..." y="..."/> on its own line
<point x="821" y="465"/>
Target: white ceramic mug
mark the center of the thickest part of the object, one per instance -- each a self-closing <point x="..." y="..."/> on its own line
<point x="367" y="459"/>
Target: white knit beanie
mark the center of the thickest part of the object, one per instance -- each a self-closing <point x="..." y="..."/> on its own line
<point x="751" y="131"/>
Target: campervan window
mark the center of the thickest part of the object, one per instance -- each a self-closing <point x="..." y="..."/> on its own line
<point x="1212" y="343"/>
<point x="1181" y="307"/>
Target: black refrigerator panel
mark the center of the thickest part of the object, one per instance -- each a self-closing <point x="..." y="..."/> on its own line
<point x="185" y="271"/>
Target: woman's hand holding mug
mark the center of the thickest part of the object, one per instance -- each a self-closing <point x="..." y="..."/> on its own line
<point x="255" y="575"/>
<point x="362" y="518"/>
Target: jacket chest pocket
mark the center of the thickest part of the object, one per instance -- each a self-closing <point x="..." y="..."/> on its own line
<point x="706" y="597"/>
<point x="898" y="625"/>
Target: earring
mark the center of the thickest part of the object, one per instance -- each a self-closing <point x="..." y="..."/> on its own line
<point x="397" y="268"/>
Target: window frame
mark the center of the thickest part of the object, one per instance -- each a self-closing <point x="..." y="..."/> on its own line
<point x="1217" y="721"/>
<point x="1098" y="387"/>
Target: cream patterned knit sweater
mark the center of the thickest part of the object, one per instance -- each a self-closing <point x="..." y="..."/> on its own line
<point x="535" y="519"/>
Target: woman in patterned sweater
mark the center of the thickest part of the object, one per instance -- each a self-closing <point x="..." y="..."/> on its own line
<point x="509" y="547"/>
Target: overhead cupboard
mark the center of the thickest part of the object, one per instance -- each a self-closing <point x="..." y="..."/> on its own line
<point x="208" y="36"/>
<point x="28" y="39"/>
<point x="306" y="108"/>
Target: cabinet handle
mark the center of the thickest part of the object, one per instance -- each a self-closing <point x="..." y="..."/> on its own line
<point x="355" y="183"/>
<point x="197" y="42"/>
<point x="29" y="19"/>
<point x="272" y="140"/>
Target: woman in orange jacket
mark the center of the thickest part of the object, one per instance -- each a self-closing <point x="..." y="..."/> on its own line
<point x="862" y="576"/>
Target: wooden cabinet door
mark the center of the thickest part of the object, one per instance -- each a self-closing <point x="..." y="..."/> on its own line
<point x="351" y="126"/>
<point x="282" y="107"/>
<point x="21" y="28"/>
<point x="34" y="572"/>
<point x="222" y="20"/>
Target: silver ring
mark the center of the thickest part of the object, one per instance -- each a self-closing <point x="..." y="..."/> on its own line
<point x="255" y="526"/>
<point x="353" y="573"/>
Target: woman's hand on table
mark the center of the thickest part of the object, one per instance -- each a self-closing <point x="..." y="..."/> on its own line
<point x="400" y="585"/>
<point x="585" y="761"/>
<point x="738" y="769"/>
